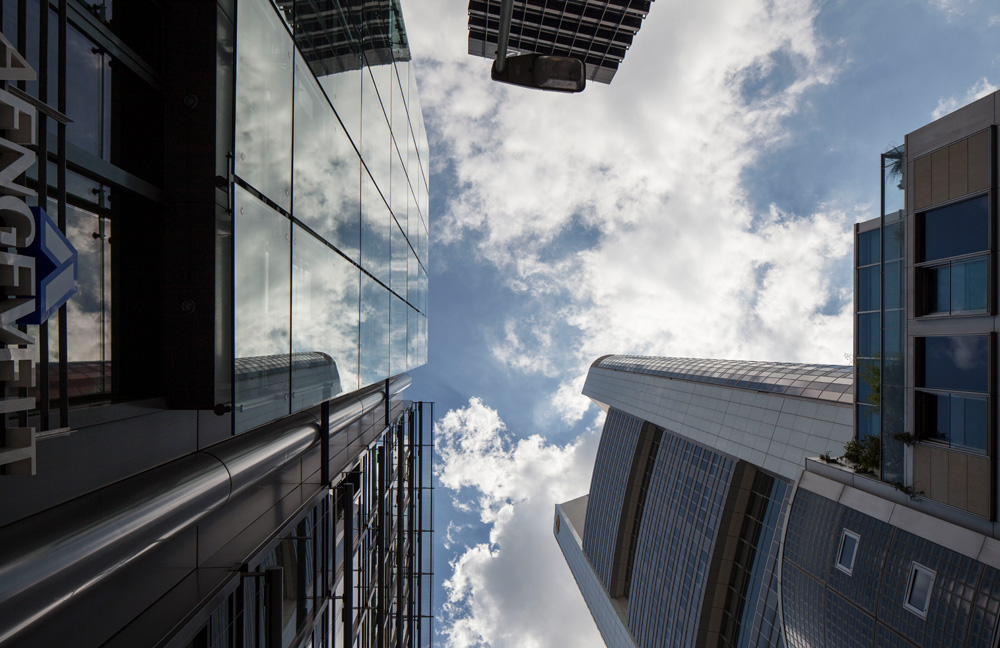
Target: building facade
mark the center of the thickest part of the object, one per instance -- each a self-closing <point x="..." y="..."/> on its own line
<point x="599" y="33"/>
<point x="208" y="442"/>
<point x="889" y="540"/>
<point x="691" y="486"/>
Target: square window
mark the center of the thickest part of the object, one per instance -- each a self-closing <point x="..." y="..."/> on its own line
<point x="918" y="590"/>
<point x="848" y="550"/>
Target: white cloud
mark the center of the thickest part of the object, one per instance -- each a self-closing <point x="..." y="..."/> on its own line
<point x="979" y="89"/>
<point x="650" y="169"/>
<point x="620" y="220"/>
<point x="514" y="590"/>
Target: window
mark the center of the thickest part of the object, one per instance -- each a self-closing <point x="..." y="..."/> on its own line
<point x="954" y="287"/>
<point x="848" y="551"/>
<point x="918" y="589"/>
<point x="954" y="230"/>
<point x="958" y="420"/>
<point x="953" y="363"/>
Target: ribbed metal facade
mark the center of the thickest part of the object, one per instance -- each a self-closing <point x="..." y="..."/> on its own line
<point x="824" y="606"/>
<point x="597" y="32"/>
<point x="615" y="457"/>
<point x="677" y="537"/>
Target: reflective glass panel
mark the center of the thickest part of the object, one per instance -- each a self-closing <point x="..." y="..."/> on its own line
<point x="961" y="228"/>
<point x="968" y="285"/>
<point x="869" y="334"/>
<point x="894" y="240"/>
<point x="325" y="303"/>
<point x="88" y="94"/>
<point x="398" y="192"/>
<point x="376" y="139"/>
<point x="933" y="415"/>
<point x="953" y="362"/>
<point x="88" y="312"/>
<point x="262" y="311"/>
<point x="848" y="546"/>
<point x="868" y="247"/>
<point x="969" y="422"/>
<point x="264" y="100"/>
<point x="412" y="280"/>
<point x="937" y="283"/>
<point x="920" y="589"/>
<point x="400" y="252"/>
<point x="869" y="421"/>
<point x="893" y="183"/>
<point x="327" y="169"/>
<point x="397" y="336"/>
<point x="374" y="331"/>
<point x="344" y="91"/>
<point x="869" y="280"/>
<point x="375" y="223"/>
<point x="892" y="295"/>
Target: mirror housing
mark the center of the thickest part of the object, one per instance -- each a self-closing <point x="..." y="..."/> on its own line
<point x="554" y="73"/>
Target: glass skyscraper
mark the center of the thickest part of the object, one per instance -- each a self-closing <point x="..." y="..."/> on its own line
<point x="208" y="444"/>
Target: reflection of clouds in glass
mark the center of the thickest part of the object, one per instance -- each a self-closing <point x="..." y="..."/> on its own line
<point x="376" y="139"/>
<point x="88" y="312"/>
<point x="397" y="336"/>
<point x="325" y="305"/>
<point x="375" y="221"/>
<point x="967" y="352"/>
<point x="326" y="168"/>
<point x="264" y="100"/>
<point x="374" y="331"/>
<point x="344" y="92"/>
<point x="261" y="279"/>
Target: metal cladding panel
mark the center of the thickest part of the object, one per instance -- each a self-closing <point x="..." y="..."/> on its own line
<point x="612" y="468"/>
<point x="834" y="383"/>
<point x="609" y="623"/>
<point x="680" y="525"/>
<point x="867" y="607"/>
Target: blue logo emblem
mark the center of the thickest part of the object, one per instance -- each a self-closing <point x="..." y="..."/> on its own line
<point x="55" y="268"/>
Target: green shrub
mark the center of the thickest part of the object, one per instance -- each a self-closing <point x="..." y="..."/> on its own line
<point x="865" y="454"/>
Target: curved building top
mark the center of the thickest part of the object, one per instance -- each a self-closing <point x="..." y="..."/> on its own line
<point x="833" y="383"/>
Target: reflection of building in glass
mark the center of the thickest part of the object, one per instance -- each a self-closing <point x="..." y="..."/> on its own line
<point x="597" y="32"/>
<point x="209" y="444"/>
<point x="893" y="544"/>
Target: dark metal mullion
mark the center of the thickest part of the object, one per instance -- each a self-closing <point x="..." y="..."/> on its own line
<point x="61" y="201"/>
<point x="400" y="565"/>
<point x="42" y="163"/>
<point x="94" y="30"/>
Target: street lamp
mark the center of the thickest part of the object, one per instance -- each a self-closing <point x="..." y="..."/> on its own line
<point x="555" y="73"/>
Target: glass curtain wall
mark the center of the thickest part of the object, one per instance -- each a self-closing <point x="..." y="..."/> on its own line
<point x="868" y="352"/>
<point x="330" y="227"/>
<point x="893" y="313"/>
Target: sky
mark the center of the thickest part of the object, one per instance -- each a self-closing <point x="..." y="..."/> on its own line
<point x="701" y="205"/>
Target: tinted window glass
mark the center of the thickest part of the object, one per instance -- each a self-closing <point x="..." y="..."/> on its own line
<point x="868" y="248"/>
<point x="968" y="285"/>
<point x="868" y="288"/>
<point x="968" y="422"/>
<point x="868" y="335"/>
<point x="959" y="362"/>
<point x="957" y="229"/>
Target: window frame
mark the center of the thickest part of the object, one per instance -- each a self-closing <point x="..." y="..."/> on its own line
<point x="911" y="579"/>
<point x="923" y="296"/>
<point x="838" y="563"/>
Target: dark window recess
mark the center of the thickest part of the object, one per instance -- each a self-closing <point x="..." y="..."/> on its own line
<point x="955" y="287"/>
<point x="960" y="421"/>
<point x="961" y="228"/>
<point x="953" y="363"/>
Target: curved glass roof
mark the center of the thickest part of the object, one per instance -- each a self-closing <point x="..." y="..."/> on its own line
<point x="825" y="382"/>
